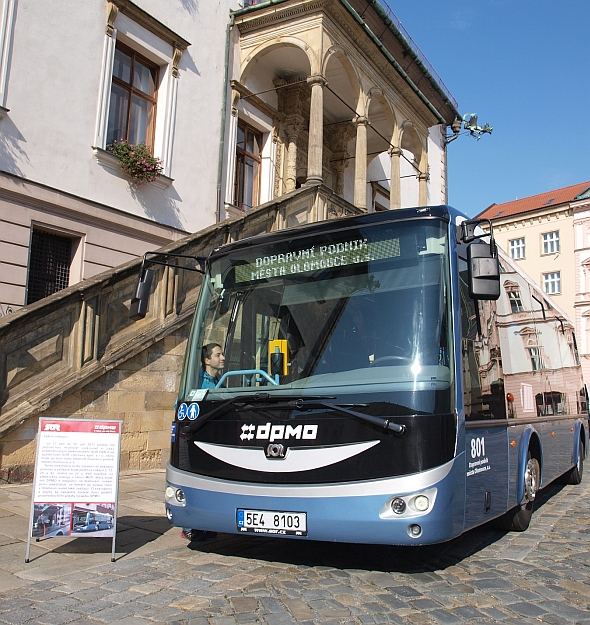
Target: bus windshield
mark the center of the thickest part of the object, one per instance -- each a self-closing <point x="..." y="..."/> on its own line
<point x="342" y="311"/>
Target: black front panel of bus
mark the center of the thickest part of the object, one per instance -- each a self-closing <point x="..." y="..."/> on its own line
<point x="428" y="442"/>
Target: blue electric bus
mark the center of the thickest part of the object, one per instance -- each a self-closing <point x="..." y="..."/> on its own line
<point x="389" y="378"/>
<point x="91" y="521"/>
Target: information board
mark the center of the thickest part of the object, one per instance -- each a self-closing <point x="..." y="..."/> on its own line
<point x="76" y="480"/>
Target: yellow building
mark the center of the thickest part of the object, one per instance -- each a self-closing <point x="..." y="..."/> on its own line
<point x="539" y="233"/>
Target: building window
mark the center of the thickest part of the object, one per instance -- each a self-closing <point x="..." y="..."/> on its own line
<point x="133" y="98"/>
<point x="551" y="243"/>
<point x="536" y="360"/>
<point x="49" y="265"/>
<point x="248" y="162"/>
<point x="552" y="282"/>
<point x="515" y="301"/>
<point x="517" y="248"/>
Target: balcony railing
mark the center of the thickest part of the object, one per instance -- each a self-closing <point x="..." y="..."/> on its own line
<point x="439" y="81"/>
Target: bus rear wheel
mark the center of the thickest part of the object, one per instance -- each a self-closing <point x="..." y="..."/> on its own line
<point x="574" y="475"/>
<point x="518" y="518"/>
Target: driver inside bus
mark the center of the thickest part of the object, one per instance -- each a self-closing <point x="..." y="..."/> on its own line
<point x="212" y="362"/>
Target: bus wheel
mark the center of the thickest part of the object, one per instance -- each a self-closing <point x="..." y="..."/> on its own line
<point x="574" y="475"/>
<point x="519" y="518"/>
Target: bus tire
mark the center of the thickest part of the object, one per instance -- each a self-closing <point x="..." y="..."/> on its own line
<point x="518" y="518"/>
<point x="574" y="475"/>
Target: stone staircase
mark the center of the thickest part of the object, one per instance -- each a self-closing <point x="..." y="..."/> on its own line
<point x="77" y="353"/>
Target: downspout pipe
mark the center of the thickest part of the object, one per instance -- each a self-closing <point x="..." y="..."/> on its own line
<point x="392" y="60"/>
<point x="410" y="51"/>
<point x="223" y="119"/>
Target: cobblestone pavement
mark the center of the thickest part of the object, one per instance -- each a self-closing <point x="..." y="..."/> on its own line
<point x="485" y="576"/>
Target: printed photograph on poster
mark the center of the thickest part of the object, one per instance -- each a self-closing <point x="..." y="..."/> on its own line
<point x="52" y="519"/>
<point x="93" y="519"/>
<point x="78" y="519"/>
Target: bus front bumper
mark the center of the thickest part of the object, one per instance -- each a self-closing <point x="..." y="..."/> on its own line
<point x="385" y="511"/>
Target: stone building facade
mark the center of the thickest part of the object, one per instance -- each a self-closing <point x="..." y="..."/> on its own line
<point x="267" y="114"/>
<point x="243" y="102"/>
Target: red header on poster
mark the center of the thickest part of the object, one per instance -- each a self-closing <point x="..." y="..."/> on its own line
<point x="88" y="427"/>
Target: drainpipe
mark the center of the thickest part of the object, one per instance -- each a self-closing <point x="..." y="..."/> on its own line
<point x="393" y="62"/>
<point x="223" y="118"/>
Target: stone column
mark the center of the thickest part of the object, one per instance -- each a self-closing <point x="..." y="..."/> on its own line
<point x="423" y="188"/>
<point x="292" y="128"/>
<point x="341" y="134"/>
<point x="395" y="188"/>
<point x="360" y="164"/>
<point x="339" y="166"/>
<point x="316" y="130"/>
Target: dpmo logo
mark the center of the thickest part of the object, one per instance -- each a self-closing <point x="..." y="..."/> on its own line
<point x="51" y="427"/>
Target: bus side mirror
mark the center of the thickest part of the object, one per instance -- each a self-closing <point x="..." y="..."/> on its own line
<point x="139" y="302"/>
<point x="484" y="272"/>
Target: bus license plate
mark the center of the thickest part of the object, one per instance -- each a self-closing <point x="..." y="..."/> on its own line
<point x="273" y="522"/>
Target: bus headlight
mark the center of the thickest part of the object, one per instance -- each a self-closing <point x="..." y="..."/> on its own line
<point x="398" y="505"/>
<point x="409" y="505"/>
<point x="175" y="495"/>
<point x="421" y="503"/>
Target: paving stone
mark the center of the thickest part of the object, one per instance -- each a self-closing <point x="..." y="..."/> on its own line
<point x="568" y="612"/>
<point x="59" y="603"/>
<point x="57" y="618"/>
<point x="495" y="614"/>
<point x="474" y="579"/>
<point x="445" y="617"/>
<point x="468" y="612"/>
<point x="247" y="618"/>
<point x="20" y="615"/>
<point x="279" y="618"/>
<point x="14" y="604"/>
<point x="405" y="591"/>
<point x="116" y="612"/>
<point x="392" y="602"/>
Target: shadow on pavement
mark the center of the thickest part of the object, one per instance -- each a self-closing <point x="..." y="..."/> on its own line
<point x="385" y="558"/>
<point x="133" y="532"/>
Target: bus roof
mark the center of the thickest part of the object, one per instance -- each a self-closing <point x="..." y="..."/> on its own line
<point x="355" y="221"/>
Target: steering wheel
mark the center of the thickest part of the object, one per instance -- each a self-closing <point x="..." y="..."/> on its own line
<point x="392" y="359"/>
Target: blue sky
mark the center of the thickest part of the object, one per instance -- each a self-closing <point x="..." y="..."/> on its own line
<point x="524" y="67"/>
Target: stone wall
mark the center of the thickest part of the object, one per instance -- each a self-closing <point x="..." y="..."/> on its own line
<point x="140" y="392"/>
<point x="77" y="353"/>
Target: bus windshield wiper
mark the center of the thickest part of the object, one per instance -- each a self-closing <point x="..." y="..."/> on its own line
<point x="246" y="401"/>
<point x="308" y="403"/>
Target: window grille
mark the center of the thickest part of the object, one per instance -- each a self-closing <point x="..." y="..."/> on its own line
<point x="49" y="265"/>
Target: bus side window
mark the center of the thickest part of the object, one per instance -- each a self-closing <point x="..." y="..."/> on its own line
<point x="483" y="380"/>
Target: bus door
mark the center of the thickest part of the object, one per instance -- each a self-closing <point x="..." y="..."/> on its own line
<point x="486" y="438"/>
